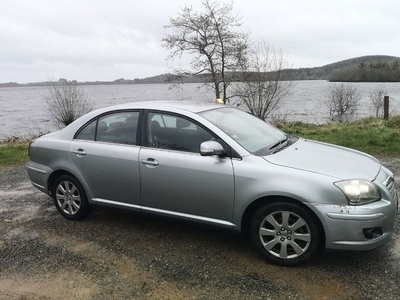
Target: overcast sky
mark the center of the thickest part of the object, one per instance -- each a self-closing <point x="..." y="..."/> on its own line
<point x="91" y="40"/>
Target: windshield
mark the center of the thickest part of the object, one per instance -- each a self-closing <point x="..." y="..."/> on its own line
<point x="253" y="134"/>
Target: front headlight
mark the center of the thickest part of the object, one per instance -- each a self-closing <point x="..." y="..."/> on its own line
<point x="359" y="191"/>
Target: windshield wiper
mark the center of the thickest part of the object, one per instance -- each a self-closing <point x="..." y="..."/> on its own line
<point x="281" y="144"/>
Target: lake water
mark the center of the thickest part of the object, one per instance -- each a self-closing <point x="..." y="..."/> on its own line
<point x="22" y="110"/>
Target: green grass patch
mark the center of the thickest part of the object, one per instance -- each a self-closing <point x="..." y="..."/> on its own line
<point x="13" y="154"/>
<point x="371" y="135"/>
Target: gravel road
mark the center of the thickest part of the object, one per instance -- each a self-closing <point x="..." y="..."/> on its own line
<point x="115" y="255"/>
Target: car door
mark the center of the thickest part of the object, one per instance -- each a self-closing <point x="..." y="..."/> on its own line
<point x="176" y="179"/>
<point x="105" y="154"/>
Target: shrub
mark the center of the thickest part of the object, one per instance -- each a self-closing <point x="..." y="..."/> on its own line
<point x="66" y="102"/>
<point x="342" y="99"/>
<point x="394" y="122"/>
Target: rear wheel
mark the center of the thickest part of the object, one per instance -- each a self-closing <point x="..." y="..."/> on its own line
<point x="70" y="198"/>
<point x="285" y="233"/>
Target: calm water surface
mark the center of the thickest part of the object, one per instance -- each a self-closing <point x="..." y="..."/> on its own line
<point x="22" y="109"/>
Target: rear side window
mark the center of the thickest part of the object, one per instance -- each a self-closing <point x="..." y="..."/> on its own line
<point x="119" y="128"/>
<point x="88" y="133"/>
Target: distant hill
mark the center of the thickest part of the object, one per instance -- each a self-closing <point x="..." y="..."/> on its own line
<point x="372" y="68"/>
<point x="166" y="78"/>
<point x="377" y="68"/>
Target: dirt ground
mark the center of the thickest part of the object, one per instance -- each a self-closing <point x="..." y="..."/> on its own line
<point x="116" y="255"/>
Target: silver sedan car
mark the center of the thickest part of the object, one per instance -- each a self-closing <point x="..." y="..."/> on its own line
<point x="218" y="165"/>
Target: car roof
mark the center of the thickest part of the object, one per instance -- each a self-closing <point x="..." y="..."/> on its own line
<point x="191" y="106"/>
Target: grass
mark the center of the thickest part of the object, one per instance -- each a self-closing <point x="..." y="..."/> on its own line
<point x="13" y="154"/>
<point x="372" y="135"/>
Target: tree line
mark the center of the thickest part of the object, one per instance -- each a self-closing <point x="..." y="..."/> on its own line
<point x="379" y="71"/>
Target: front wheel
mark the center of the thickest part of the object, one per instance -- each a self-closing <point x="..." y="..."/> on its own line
<point x="70" y="198"/>
<point x="285" y="233"/>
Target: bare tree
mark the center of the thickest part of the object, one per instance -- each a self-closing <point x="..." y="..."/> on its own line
<point x="376" y="97"/>
<point x="66" y="102"/>
<point x="265" y="82"/>
<point x="342" y="99"/>
<point x="210" y="38"/>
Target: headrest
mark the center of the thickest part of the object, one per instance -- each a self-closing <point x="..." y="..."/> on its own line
<point x="132" y="120"/>
<point x="182" y="123"/>
<point x="102" y="127"/>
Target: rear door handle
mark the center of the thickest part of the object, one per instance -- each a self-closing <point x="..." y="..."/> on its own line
<point x="150" y="162"/>
<point x="79" y="152"/>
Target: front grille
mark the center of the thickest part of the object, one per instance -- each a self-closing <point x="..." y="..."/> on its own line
<point x="389" y="183"/>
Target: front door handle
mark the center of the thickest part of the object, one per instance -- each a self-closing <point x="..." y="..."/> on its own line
<point x="150" y="162"/>
<point x="79" y="152"/>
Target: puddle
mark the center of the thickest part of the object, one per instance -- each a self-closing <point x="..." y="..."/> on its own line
<point x="65" y="285"/>
<point x="14" y="193"/>
<point x="28" y="213"/>
<point x="21" y="189"/>
<point x="21" y="232"/>
<point x="25" y="185"/>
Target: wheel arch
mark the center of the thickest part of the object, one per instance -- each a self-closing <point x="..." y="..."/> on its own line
<point x="53" y="177"/>
<point x="255" y="205"/>
<point x="81" y="205"/>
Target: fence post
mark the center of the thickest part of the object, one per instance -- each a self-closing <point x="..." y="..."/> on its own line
<point x="386" y="107"/>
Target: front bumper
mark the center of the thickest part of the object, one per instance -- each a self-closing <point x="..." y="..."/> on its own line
<point x="361" y="227"/>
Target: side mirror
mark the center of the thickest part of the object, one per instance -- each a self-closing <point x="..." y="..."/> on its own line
<point x="211" y="148"/>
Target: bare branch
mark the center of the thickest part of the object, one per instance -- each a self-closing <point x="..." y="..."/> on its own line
<point x="210" y="37"/>
<point x="265" y="83"/>
<point x="376" y="97"/>
<point x="342" y="99"/>
<point x="65" y="102"/>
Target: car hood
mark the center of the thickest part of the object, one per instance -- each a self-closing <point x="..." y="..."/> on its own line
<point x="327" y="159"/>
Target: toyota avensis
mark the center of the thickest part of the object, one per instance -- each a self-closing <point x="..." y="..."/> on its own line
<point x="218" y="165"/>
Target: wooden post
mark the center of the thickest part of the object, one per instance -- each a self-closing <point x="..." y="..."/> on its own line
<point x="386" y="107"/>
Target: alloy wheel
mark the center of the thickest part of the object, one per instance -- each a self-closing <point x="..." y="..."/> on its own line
<point x="68" y="197"/>
<point x="285" y="234"/>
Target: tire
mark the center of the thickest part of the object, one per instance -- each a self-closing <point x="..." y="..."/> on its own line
<point x="70" y="198"/>
<point x="285" y="233"/>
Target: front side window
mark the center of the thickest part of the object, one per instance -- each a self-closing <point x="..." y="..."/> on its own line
<point x="175" y="133"/>
<point x="120" y="128"/>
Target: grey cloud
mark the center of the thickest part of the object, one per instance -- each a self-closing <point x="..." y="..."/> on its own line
<point x="105" y="40"/>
